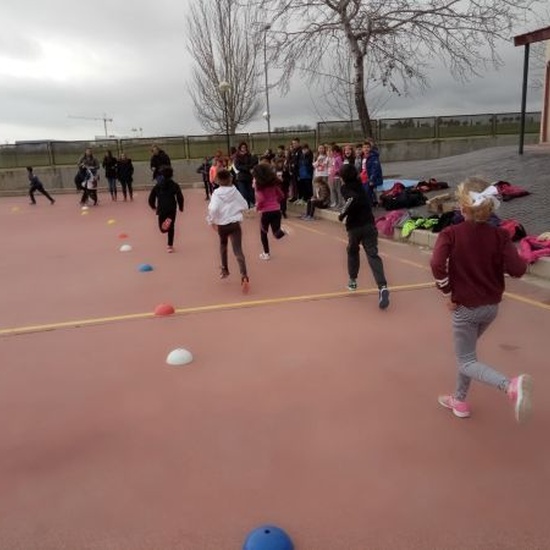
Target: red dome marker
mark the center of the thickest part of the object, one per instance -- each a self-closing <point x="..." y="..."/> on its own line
<point x="162" y="310"/>
<point x="123" y="236"/>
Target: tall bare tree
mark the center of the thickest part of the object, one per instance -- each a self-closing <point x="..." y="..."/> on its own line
<point x="337" y="87"/>
<point x="398" y="38"/>
<point x="224" y="49"/>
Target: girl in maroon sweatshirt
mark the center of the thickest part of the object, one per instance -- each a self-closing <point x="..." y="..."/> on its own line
<point x="469" y="262"/>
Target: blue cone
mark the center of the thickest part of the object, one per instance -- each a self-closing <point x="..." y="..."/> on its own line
<point x="268" y="537"/>
<point x="145" y="267"/>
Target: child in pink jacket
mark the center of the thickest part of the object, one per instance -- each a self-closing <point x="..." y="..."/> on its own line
<point x="268" y="202"/>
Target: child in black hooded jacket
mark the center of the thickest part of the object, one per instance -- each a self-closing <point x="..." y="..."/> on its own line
<point x="166" y="198"/>
<point x="361" y="231"/>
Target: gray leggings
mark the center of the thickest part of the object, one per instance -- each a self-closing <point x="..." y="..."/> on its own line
<point x="468" y="325"/>
<point x="232" y="231"/>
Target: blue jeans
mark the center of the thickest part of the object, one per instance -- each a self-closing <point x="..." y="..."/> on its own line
<point x="247" y="191"/>
<point x="112" y="186"/>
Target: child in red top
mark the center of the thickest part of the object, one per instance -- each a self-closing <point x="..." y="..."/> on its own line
<point x="268" y="202"/>
<point x="469" y="262"/>
<point x="218" y="163"/>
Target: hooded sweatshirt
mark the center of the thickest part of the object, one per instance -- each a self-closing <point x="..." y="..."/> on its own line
<point x="166" y="196"/>
<point x="226" y="206"/>
<point x="357" y="210"/>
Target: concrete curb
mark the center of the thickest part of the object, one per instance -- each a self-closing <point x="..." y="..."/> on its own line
<point x="426" y="239"/>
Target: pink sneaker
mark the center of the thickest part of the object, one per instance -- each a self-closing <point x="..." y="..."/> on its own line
<point x="166" y="224"/>
<point x="459" y="408"/>
<point x="520" y="391"/>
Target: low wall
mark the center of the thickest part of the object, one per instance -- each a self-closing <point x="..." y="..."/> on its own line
<point x="61" y="178"/>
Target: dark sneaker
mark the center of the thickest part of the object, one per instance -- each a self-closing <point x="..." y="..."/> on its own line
<point x="383" y="298"/>
<point x="224" y="273"/>
<point x="352" y="284"/>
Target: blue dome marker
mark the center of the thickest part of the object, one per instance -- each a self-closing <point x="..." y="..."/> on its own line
<point x="145" y="267"/>
<point x="268" y="537"/>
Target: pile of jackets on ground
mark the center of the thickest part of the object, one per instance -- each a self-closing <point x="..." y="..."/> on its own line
<point x="400" y="196"/>
<point x="444" y="212"/>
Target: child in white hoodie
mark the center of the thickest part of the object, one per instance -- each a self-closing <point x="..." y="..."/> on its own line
<point x="225" y="214"/>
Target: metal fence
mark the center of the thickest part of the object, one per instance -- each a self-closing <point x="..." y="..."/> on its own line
<point x="59" y="153"/>
<point x="443" y="127"/>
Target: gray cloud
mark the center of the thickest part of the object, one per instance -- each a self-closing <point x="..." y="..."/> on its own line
<point x="130" y="62"/>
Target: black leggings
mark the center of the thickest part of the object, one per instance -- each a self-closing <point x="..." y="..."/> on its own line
<point x="163" y="216"/>
<point x="40" y="189"/>
<point x="232" y="231"/>
<point x="127" y="185"/>
<point x="312" y="204"/>
<point x="88" y="193"/>
<point x="366" y="236"/>
<point x="273" y="220"/>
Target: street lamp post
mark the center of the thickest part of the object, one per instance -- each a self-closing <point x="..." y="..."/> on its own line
<point x="224" y="88"/>
<point x="267" y="113"/>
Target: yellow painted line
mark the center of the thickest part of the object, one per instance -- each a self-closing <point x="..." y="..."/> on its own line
<point x="202" y="309"/>
<point x="525" y="300"/>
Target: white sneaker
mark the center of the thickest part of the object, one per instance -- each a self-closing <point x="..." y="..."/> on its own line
<point x="265" y="256"/>
<point x="286" y="230"/>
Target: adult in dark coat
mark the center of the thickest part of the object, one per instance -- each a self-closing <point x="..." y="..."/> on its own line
<point x="158" y="158"/>
<point x="243" y="164"/>
<point x="110" y="165"/>
<point x="125" y="174"/>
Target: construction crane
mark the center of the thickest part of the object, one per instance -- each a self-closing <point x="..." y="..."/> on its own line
<point x="104" y="118"/>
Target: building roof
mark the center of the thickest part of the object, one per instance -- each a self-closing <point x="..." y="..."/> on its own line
<point x="534" y="36"/>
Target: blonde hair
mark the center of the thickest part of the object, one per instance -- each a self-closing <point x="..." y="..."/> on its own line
<point x="481" y="212"/>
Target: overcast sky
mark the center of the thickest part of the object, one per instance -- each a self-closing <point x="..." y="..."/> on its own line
<point x="128" y="61"/>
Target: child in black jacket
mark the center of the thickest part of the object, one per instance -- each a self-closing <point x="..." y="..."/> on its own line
<point x="361" y="231"/>
<point x="165" y="198"/>
<point x="36" y="185"/>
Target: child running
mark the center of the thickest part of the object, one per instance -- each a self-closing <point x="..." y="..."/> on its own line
<point x="268" y="202"/>
<point x="468" y="263"/>
<point x="165" y="198"/>
<point x="361" y="231"/>
<point x="36" y="185"/>
<point x="225" y="214"/>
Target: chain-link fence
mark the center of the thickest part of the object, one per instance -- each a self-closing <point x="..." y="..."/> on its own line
<point x="59" y="153"/>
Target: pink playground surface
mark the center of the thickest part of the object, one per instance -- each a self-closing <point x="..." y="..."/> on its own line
<point x="305" y="407"/>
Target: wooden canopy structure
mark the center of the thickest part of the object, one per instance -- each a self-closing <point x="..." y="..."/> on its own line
<point x="526" y="40"/>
